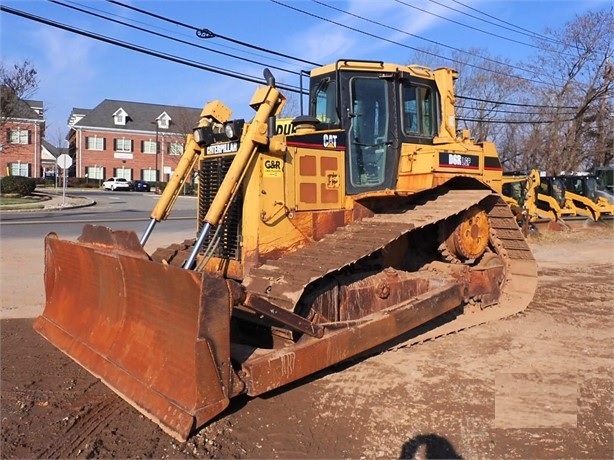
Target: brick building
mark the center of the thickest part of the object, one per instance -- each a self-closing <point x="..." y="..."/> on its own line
<point x="126" y="139"/>
<point x="23" y="128"/>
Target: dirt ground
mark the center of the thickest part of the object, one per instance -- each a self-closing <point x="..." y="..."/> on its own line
<point x="536" y="385"/>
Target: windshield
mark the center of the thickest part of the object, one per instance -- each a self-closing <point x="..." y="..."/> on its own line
<point x="591" y="188"/>
<point x="514" y="190"/>
<point x="558" y="192"/>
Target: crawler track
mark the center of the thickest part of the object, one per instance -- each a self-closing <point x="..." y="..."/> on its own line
<point x="284" y="280"/>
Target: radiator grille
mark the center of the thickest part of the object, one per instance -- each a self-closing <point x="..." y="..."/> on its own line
<point x="210" y="178"/>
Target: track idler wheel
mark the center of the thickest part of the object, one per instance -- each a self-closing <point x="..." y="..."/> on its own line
<point x="466" y="237"/>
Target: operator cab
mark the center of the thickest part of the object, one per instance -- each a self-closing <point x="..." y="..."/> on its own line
<point x="554" y="187"/>
<point x="378" y="110"/>
<point x="586" y="186"/>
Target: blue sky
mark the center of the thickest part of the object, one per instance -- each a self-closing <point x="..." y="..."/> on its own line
<point x="76" y="71"/>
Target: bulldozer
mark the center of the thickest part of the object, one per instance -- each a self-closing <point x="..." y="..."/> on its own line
<point x="372" y="223"/>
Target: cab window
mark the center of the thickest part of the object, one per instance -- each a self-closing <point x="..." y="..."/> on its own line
<point x="325" y="108"/>
<point x="417" y="103"/>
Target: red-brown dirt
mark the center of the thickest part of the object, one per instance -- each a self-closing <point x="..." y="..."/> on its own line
<point x="536" y="385"/>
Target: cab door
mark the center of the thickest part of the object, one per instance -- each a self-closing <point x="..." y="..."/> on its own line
<point x="370" y="156"/>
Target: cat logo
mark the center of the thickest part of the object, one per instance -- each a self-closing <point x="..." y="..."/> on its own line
<point x="272" y="168"/>
<point x="330" y="141"/>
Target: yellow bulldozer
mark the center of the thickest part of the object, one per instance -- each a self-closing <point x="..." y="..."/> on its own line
<point x="371" y="223"/>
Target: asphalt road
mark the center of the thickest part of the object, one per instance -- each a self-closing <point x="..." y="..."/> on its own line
<point x="118" y="210"/>
<point x="22" y="236"/>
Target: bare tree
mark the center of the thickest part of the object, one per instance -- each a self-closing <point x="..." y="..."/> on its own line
<point x="576" y="62"/>
<point x="484" y="82"/>
<point x="17" y="83"/>
<point x="559" y="115"/>
<point x="292" y="108"/>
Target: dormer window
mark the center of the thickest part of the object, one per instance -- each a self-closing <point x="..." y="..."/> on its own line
<point x="163" y="121"/>
<point x="119" y="117"/>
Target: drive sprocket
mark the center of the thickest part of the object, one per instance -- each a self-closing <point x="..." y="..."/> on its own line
<point x="466" y="236"/>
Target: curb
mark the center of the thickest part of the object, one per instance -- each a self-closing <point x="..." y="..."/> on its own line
<point x="51" y="204"/>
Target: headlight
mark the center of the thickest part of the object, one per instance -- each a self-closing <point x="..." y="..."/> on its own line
<point x="233" y="129"/>
<point x="203" y="135"/>
<point x="229" y="129"/>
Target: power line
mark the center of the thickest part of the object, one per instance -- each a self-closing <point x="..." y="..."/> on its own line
<point x="540" y="36"/>
<point x="143" y="50"/>
<point x="518" y="104"/>
<point x="185" y="42"/>
<point x="402" y="44"/>
<point x="206" y="33"/>
<point x="465" y="25"/>
<point x="167" y="31"/>
<point x="419" y="37"/>
<point x="466" y="107"/>
<point x="530" y="33"/>
<point x="514" y="122"/>
<point x="195" y="64"/>
<point x="514" y="27"/>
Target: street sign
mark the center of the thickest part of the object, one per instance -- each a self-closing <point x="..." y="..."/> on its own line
<point x="64" y="161"/>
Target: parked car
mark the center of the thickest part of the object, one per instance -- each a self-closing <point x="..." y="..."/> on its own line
<point x="116" y="183"/>
<point x="140" y="186"/>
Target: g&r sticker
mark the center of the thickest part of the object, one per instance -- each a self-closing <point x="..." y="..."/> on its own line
<point x="272" y="168"/>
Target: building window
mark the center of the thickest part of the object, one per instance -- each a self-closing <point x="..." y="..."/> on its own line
<point x="19" y="136"/>
<point x="94" y="143"/>
<point x="175" y="148"/>
<point x="95" y="172"/>
<point x="126" y="173"/>
<point x="123" y="145"/>
<point x="148" y="146"/>
<point x="149" y="175"/>
<point x="19" y="169"/>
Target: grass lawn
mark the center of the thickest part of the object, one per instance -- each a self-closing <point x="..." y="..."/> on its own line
<point x="16" y="200"/>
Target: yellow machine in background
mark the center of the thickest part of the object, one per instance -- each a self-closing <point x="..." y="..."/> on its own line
<point x="369" y="218"/>
<point x="567" y="200"/>
<point x="583" y="192"/>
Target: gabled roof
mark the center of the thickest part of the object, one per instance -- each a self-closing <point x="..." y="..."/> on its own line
<point x="77" y="114"/>
<point x="52" y="149"/>
<point x="141" y="116"/>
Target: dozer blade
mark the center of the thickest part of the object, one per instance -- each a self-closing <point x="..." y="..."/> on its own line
<point x="155" y="334"/>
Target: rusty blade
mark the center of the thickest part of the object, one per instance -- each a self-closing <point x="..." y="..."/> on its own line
<point x="139" y="326"/>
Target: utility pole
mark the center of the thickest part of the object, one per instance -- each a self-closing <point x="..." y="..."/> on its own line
<point x="155" y="122"/>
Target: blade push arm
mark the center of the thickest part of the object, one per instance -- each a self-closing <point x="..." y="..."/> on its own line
<point x="213" y="112"/>
<point x="268" y="102"/>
